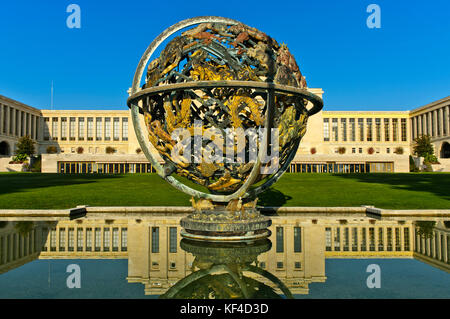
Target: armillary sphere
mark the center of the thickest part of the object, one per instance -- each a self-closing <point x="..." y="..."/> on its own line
<point x="230" y="77"/>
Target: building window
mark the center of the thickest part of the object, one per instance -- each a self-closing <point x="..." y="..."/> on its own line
<point x="280" y="265"/>
<point x="88" y="239"/>
<point x="71" y="241"/>
<point x="334" y="129"/>
<point x="81" y="128"/>
<point x="403" y="129"/>
<point x="406" y="239"/>
<point x="124" y="129"/>
<point x="98" y="239"/>
<point x="337" y="239"/>
<point x="115" y="239"/>
<point x="63" y="128"/>
<point x="116" y="129"/>
<point x="363" y="239"/>
<point x="46" y="129"/>
<point x="344" y="129"/>
<point x="297" y="239"/>
<point x="124" y="239"/>
<point x="371" y="239"/>
<point x="279" y="240"/>
<point x="106" y="239"/>
<point x="172" y="239"/>
<point x="79" y="239"/>
<point x="107" y="128"/>
<point x="378" y="129"/>
<point x="98" y="128"/>
<point x="395" y="130"/>
<point x="155" y="239"/>
<point x="90" y="128"/>
<point x="326" y="130"/>
<point x="369" y="129"/>
<point x="360" y="150"/>
<point x="388" y="150"/>
<point x="352" y="130"/>
<point x="386" y="130"/>
<point x="72" y="129"/>
<point x="328" y="239"/>
<point x="62" y="239"/>
<point x="353" y="150"/>
<point x="380" y="239"/>
<point x="55" y="128"/>
<point x="361" y="129"/>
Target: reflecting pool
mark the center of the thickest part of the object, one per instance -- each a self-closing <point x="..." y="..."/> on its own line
<point x="306" y="256"/>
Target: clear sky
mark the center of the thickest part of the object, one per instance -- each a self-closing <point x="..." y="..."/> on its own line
<point x="402" y="65"/>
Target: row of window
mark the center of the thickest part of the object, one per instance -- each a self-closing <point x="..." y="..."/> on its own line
<point x="86" y="239"/>
<point x="360" y="129"/>
<point x="102" y="129"/>
<point x="370" y="167"/>
<point x="124" y="168"/>
<point x="104" y="168"/>
<point x="366" y="239"/>
<point x="20" y="122"/>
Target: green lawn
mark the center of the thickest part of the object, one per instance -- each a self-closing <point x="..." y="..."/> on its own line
<point x="399" y="191"/>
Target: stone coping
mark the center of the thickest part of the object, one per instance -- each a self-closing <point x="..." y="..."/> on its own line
<point x="124" y="211"/>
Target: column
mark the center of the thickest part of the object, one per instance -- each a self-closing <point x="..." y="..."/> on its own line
<point x="1" y="118"/>
<point x="447" y="120"/>
<point x="434" y="119"/>
<point x="19" y="128"/>
<point x="413" y="127"/>
<point x="441" y="121"/>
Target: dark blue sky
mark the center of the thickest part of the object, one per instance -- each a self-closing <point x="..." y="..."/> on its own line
<point x="403" y="65"/>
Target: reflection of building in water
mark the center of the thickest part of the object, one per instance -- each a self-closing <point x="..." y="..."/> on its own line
<point x="435" y="249"/>
<point x="155" y="259"/>
<point x="86" y="238"/>
<point x="17" y="249"/>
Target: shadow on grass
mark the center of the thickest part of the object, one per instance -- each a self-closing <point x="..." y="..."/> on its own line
<point x="434" y="183"/>
<point x="19" y="182"/>
<point x="273" y="197"/>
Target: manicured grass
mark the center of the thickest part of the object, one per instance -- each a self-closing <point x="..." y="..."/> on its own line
<point x="397" y="191"/>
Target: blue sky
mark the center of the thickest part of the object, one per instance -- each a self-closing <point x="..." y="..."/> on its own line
<point x="403" y="65"/>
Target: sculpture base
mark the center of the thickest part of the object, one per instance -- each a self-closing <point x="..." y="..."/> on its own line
<point x="222" y="225"/>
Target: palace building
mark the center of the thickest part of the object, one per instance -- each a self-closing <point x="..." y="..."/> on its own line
<point x="102" y="141"/>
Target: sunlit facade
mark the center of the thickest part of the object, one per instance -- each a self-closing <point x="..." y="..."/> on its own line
<point x="94" y="141"/>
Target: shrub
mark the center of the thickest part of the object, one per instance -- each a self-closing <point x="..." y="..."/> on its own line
<point x="19" y="159"/>
<point x="398" y="150"/>
<point x="25" y="146"/>
<point x="52" y="149"/>
<point x="138" y="151"/>
<point x="430" y="159"/>
<point x="370" y="150"/>
<point x="341" y="150"/>
<point x="80" y="150"/>
<point x="423" y="146"/>
<point x="110" y="150"/>
<point x="313" y="150"/>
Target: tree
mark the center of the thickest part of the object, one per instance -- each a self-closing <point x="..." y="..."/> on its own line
<point x="423" y="146"/>
<point x="25" y="146"/>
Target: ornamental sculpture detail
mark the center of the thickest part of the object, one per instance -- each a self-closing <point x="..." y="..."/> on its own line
<point x="225" y="106"/>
